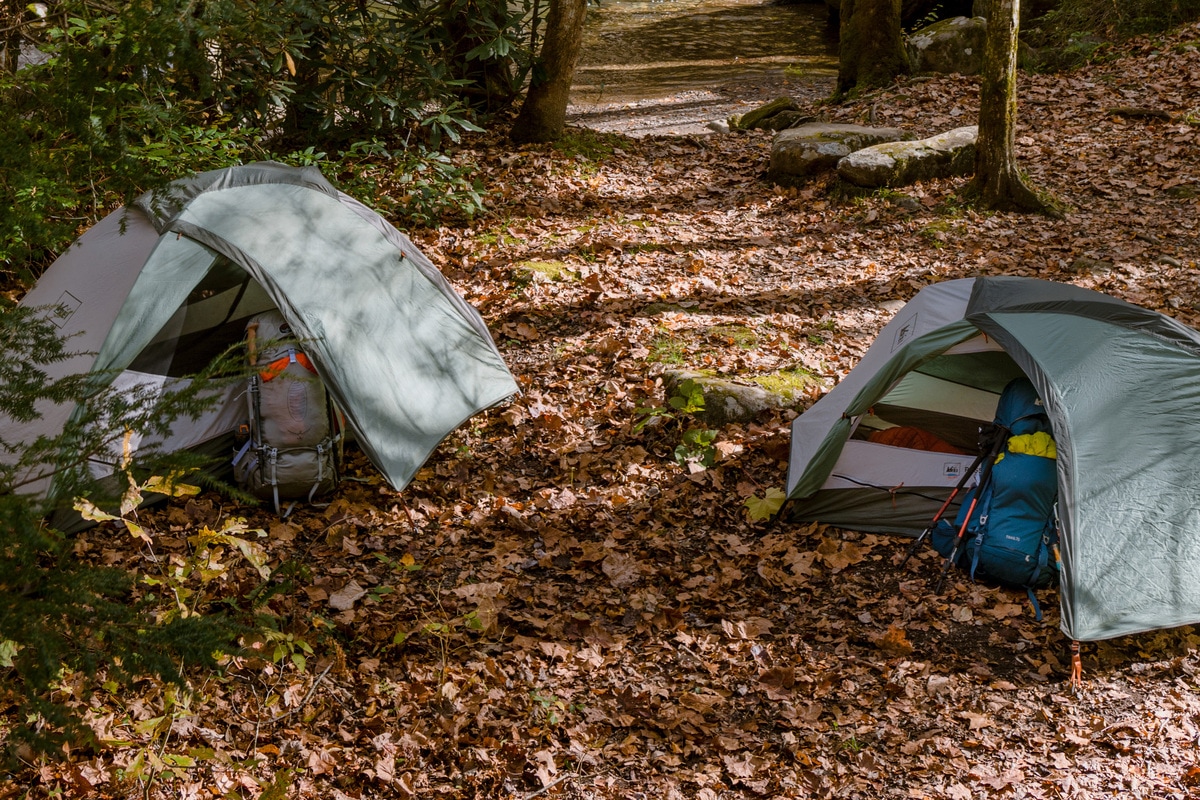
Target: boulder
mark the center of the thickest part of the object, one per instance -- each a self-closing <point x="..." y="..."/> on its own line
<point x="806" y="150"/>
<point x="901" y="163"/>
<point x="952" y="45"/>
<point x="788" y="119"/>
<point x="727" y="401"/>
<point x="776" y="115"/>
<point x="755" y="117"/>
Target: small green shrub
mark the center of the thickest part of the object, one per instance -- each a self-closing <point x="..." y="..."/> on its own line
<point x="1075" y="32"/>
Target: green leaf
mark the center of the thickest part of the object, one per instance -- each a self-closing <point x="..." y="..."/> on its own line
<point x="761" y="508"/>
<point x="8" y="649"/>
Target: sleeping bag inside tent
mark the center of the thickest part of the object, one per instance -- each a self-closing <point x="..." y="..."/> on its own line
<point x="884" y="449"/>
<point x="155" y="290"/>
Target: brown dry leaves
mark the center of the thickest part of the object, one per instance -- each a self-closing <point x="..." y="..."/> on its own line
<point x="555" y="608"/>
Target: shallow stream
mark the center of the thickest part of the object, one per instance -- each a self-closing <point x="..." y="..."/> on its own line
<point x="643" y="49"/>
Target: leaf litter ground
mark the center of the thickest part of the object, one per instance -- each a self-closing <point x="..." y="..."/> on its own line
<point x="555" y="608"/>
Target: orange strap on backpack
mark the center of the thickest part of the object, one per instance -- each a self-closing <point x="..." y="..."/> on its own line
<point x="277" y="366"/>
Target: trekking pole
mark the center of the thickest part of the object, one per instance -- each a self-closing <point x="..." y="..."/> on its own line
<point x="938" y="516"/>
<point x="993" y="452"/>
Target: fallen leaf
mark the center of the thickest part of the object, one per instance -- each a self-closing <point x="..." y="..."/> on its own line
<point x="345" y="598"/>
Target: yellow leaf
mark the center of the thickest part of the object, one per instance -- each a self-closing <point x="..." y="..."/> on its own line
<point x="127" y="449"/>
<point x="131" y="499"/>
<point x="291" y="65"/>
<point x="138" y="531"/>
<point x="170" y="486"/>
<point x="88" y="510"/>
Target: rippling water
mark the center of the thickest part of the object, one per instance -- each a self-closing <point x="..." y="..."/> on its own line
<point x="635" y="49"/>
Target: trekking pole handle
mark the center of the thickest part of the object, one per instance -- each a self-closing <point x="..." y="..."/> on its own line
<point x="252" y="343"/>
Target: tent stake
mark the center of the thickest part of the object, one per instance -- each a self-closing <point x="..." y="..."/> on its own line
<point x="1076" y="666"/>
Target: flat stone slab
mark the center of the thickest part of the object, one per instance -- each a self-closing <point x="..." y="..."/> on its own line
<point x="804" y="151"/>
<point x="902" y="163"/>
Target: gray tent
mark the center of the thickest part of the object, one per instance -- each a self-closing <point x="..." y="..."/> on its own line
<point x="1121" y="385"/>
<point x="156" y="290"/>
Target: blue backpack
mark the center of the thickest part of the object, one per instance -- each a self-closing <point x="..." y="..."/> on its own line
<point x="1011" y="536"/>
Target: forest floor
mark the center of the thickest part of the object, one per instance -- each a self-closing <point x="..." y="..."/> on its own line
<point x="556" y="608"/>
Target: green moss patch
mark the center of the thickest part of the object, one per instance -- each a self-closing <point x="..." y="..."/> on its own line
<point x="535" y="271"/>
<point x="738" y="335"/>
<point x="790" y="382"/>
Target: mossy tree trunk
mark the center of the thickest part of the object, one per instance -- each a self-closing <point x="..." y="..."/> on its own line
<point x="543" y="115"/>
<point x="871" y="50"/>
<point x="998" y="184"/>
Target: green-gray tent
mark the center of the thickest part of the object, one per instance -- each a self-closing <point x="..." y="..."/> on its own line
<point x="1121" y="386"/>
<point x="157" y="289"/>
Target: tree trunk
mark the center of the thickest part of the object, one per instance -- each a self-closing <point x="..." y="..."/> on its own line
<point x="543" y="115"/>
<point x="871" y="50"/>
<point x="11" y="20"/>
<point x="998" y="184"/>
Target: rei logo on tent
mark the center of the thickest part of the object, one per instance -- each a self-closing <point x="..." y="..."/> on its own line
<point x="905" y="333"/>
<point x="64" y="309"/>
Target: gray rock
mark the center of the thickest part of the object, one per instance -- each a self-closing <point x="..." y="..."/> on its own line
<point x="761" y="116"/>
<point x="952" y="45"/>
<point x="801" y="152"/>
<point x="901" y="163"/>
<point x="1093" y="266"/>
<point x="727" y="401"/>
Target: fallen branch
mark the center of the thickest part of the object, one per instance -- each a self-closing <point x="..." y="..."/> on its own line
<point x="548" y="787"/>
<point x="303" y="702"/>
<point x="1139" y="112"/>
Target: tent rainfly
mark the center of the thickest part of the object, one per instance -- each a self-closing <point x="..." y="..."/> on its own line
<point x="156" y="290"/>
<point x="1121" y="386"/>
